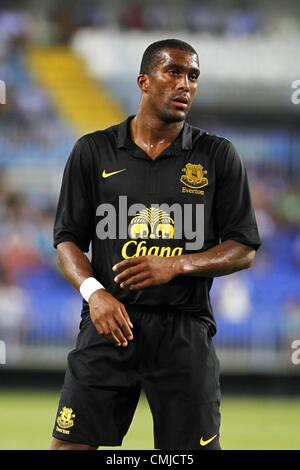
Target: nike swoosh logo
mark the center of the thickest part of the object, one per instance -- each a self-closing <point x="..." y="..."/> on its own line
<point x="204" y="443"/>
<point x="107" y="175"/>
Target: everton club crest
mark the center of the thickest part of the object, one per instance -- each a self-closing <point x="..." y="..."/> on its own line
<point x="193" y="178"/>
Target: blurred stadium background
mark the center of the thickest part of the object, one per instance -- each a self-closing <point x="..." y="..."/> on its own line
<point x="70" y="68"/>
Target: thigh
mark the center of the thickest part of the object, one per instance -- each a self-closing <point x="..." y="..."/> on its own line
<point x="100" y="392"/>
<point x="183" y="387"/>
<point x="58" y="444"/>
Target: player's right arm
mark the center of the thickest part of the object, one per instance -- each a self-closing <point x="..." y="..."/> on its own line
<point x="107" y="314"/>
<point x="73" y="231"/>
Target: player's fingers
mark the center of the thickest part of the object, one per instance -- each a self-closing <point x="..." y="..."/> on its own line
<point x="128" y="272"/>
<point x="117" y="333"/>
<point x="104" y="329"/>
<point x="99" y="326"/>
<point x="113" y="339"/>
<point x="134" y="279"/>
<point x="127" y="263"/>
<point x="123" y="324"/>
<point x="126" y="316"/>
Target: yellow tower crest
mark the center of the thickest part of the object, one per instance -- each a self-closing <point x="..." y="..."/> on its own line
<point x="194" y="176"/>
<point x="65" y="420"/>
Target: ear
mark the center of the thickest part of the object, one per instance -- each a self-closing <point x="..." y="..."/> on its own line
<point x="143" y="82"/>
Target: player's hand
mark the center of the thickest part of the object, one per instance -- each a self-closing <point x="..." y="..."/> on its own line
<point x="110" y="318"/>
<point x="145" y="271"/>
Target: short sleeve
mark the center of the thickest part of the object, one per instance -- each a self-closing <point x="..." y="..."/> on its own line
<point x="73" y="220"/>
<point x="235" y="216"/>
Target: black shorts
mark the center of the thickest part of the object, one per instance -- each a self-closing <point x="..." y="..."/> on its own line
<point x="172" y="358"/>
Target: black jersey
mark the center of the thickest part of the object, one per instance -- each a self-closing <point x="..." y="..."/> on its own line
<point x="193" y="196"/>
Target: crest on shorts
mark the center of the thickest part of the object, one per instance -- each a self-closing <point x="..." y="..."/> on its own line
<point x="65" y="420"/>
<point x="194" y="176"/>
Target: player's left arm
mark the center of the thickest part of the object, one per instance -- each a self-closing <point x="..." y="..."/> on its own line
<point x="145" y="271"/>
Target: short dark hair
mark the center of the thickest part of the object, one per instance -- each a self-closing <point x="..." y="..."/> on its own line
<point x="152" y="52"/>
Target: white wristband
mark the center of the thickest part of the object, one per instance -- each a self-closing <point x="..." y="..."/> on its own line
<point x="89" y="286"/>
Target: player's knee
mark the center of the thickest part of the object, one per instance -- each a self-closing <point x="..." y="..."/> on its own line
<point x="64" y="445"/>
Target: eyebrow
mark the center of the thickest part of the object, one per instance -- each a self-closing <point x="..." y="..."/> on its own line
<point x="181" y="67"/>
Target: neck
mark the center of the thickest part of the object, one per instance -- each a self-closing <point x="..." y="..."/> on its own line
<point x="151" y="133"/>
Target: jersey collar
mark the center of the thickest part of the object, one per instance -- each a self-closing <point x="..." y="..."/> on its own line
<point x="182" y="142"/>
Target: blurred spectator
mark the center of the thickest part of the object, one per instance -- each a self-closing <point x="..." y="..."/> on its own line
<point x="157" y="17"/>
<point x="287" y="207"/>
<point x="18" y="252"/>
<point x="233" y="299"/>
<point x="242" y="21"/>
<point x="205" y="19"/>
<point x="15" y="311"/>
<point x="15" y="27"/>
<point x="133" y="17"/>
<point x="290" y="321"/>
<point x="32" y="105"/>
<point x="265" y="221"/>
<point x="64" y="22"/>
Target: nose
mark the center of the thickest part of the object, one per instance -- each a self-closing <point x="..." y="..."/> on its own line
<point x="184" y="83"/>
